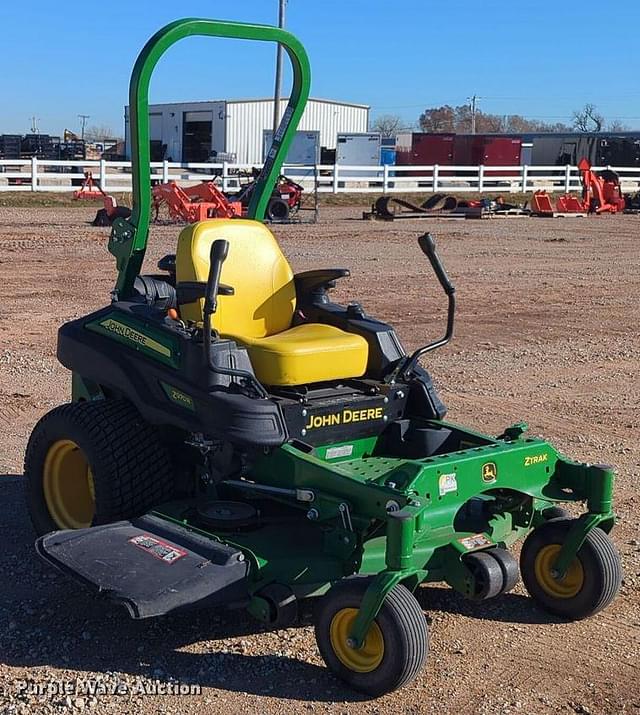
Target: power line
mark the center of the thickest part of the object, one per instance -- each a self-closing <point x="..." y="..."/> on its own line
<point x="84" y="118"/>
<point x="276" y="95"/>
<point x="473" y="106"/>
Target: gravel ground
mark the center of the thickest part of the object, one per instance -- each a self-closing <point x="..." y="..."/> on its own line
<point x="546" y="331"/>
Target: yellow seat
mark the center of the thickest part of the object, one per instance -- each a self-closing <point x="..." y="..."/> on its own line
<point x="260" y="312"/>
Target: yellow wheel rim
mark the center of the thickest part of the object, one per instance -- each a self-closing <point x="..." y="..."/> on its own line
<point x="68" y="486"/>
<point x="360" y="660"/>
<point x="567" y="587"/>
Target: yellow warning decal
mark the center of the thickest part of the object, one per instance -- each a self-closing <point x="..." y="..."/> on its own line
<point x="124" y="331"/>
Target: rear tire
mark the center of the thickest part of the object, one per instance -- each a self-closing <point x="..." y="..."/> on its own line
<point x="91" y="463"/>
<point x="396" y="645"/>
<point x="277" y="210"/>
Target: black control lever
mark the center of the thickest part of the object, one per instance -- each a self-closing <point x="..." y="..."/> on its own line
<point x="218" y="255"/>
<point x="407" y="364"/>
<point x="428" y="246"/>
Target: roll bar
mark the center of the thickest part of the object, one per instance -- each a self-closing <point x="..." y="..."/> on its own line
<point x="129" y="237"/>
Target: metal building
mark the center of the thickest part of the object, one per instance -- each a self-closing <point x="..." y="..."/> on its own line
<point x="197" y="131"/>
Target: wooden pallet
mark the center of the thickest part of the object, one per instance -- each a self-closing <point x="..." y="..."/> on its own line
<point x="460" y="214"/>
<point x="372" y="216"/>
<point x="559" y="214"/>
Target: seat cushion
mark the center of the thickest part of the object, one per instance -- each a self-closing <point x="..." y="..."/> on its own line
<point x="265" y="294"/>
<point x="307" y="353"/>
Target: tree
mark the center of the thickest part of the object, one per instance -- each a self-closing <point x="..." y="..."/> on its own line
<point x="588" y="119"/>
<point x="615" y="125"/>
<point x="458" y="119"/>
<point x="438" y="119"/>
<point x="100" y="133"/>
<point x="387" y="124"/>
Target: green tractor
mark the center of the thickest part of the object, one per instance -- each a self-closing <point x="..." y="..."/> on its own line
<point x="237" y="439"/>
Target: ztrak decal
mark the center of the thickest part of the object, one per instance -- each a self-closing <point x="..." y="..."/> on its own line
<point x="345" y="417"/>
<point x="489" y="472"/>
<point x="180" y="398"/>
<point x="162" y="550"/>
<point x="536" y="459"/>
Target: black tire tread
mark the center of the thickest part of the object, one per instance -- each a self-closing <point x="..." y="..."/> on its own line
<point x="412" y="617"/>
<point x="612" y="568"/>
<point x="131" y="468"/>
<point x="401" y="606"/>
<point x="597" y="550"/>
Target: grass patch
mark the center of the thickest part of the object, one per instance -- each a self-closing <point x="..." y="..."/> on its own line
<point x="43" y="199"/>
<point x="53" y="199"/>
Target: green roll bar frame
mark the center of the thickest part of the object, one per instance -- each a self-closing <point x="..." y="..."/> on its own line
<point x="128" y="240"/>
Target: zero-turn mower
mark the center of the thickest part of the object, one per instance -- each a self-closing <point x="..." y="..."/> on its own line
<point x="237" y="439"/>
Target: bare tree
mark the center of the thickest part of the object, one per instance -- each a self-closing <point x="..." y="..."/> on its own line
<point x="387" y="124"/>
<point x="615" y="125"/>
<point x="100" y="133"/>
<point x="588" y="119"/>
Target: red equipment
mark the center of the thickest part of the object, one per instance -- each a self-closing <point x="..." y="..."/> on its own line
<point x="600" y="192"/>
<point x="105" y="216"/>
<point x="90" y="188"/>
<point x="205" y="200"/>
<point x="195" y="203"/>
<point x="285" y="198"/>
<point x="542" y="205"/>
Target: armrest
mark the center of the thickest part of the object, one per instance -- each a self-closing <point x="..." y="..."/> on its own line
<point x="314" y="284"/>
<point x="190" y="291"/>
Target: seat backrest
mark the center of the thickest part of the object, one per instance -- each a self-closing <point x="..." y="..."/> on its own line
<point x="255" y="268"/>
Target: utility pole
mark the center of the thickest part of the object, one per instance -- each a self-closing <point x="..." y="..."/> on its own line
<point x="473" y="106"/>
<point x="34" y="125"/>
<point x="84" y="118"/>
<point x="282" y="4"/>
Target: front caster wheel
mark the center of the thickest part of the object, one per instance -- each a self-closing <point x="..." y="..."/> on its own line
<point x="394" y="650"/>
<point x="592" y="579"/>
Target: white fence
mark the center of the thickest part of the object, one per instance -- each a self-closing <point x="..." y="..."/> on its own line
<point x="115" y="176"/>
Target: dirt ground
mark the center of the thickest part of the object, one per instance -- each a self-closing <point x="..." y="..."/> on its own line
<point x="547" y="331"/>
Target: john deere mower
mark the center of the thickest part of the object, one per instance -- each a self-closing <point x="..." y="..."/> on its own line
<point x="237" y="439"/>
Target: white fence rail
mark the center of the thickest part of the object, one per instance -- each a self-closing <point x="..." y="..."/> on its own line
<point x="115" y="176"/>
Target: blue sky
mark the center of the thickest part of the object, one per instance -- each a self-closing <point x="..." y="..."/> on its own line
<point x="522" y="57"/>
